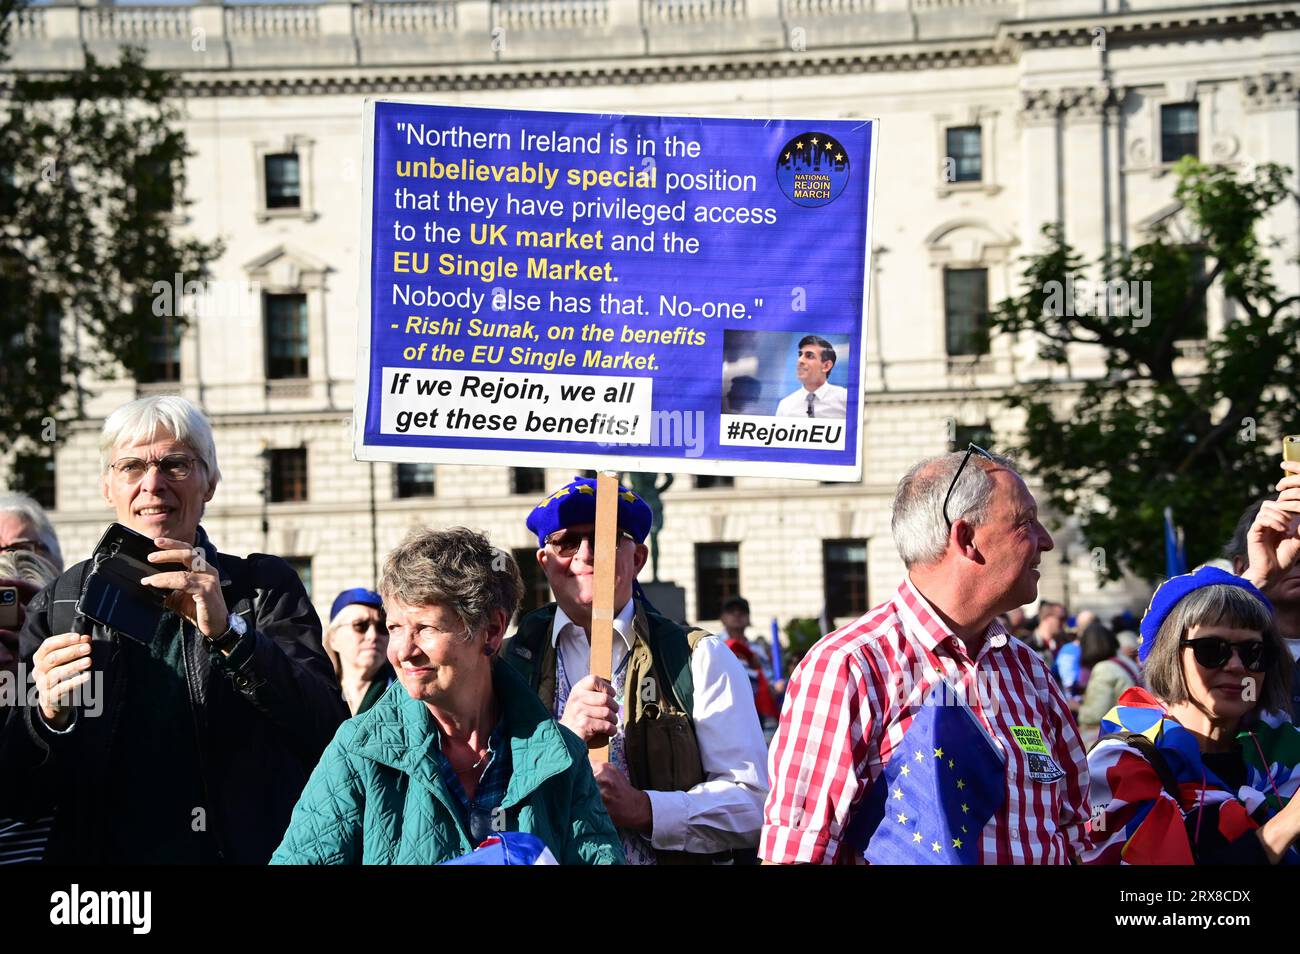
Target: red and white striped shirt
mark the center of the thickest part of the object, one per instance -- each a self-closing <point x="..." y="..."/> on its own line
<point x="853" y="697"/>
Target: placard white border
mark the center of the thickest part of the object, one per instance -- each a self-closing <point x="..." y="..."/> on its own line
<point x="703" y="466"/>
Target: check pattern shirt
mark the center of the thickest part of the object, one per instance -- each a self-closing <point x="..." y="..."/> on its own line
<point x="853" y="697"/>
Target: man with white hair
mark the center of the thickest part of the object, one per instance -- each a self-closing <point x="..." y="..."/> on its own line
<point x="967" y="529"/>
<point x="201" y="738"/>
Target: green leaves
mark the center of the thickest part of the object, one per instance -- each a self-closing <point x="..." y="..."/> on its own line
<point x="93" y="166"/>
<point x="1162" y="426"/>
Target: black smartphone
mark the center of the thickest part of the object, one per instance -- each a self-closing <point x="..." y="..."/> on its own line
<point x="8" y="607"/>
<point x="113" y="595"/>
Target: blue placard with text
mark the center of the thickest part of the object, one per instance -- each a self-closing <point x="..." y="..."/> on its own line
<point x="643" y="293"/>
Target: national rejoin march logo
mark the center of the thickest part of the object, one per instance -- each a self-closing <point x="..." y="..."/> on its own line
<point x="813" y="169"/>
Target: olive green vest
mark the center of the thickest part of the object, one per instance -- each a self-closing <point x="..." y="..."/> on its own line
<point x="659" y="741"/>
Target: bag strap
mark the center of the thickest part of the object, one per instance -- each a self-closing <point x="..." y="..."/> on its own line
<point x="1152" y="754"/>
<point x="671" y="650"/>
<point x="63" y="601"/>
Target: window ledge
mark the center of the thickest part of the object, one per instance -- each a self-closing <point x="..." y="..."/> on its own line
<point x="289" y="388"/>
<point x="946" y="188"/>
<point x="266" y="215"/>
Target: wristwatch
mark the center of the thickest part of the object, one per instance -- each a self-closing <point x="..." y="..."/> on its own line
<point x="227" y="641"/>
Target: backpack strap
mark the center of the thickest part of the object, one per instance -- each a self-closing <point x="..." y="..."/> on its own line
<point x="1152" y="754"/>
<point x="63" y="601"/>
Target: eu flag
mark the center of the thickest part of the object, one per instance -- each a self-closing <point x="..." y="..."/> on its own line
<point x="944" y="781"/>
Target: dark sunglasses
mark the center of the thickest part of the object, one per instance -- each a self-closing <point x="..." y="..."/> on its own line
<point x="567" y="542"/>
<point x="1213" y="652"/>
<point x="970" y="449"/>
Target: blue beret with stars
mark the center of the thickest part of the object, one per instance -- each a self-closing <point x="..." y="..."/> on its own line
<point x="575" y="503"/>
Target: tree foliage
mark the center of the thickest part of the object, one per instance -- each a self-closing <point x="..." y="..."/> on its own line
<point x="92" y="179"/>
<point x="1163" y="428"/>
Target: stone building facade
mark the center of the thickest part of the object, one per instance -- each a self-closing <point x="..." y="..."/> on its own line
<point x="996" y="118"/>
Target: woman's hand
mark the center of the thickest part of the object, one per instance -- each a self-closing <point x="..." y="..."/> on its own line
<point x="1277" y="834"/>
<point x="196" y="590"/>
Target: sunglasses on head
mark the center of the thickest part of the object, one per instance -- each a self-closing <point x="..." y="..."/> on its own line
<point x="567" y="542"/>
<point x="1213" y="652"/>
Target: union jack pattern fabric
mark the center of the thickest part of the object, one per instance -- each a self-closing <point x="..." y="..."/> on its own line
<point x="1137" y="820"/>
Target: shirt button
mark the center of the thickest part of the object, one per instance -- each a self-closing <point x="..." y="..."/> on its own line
<point x="1015" y="836"/>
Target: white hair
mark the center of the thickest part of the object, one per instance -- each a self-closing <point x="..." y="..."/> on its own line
<point x="33" y="513"/>
<point x="920" y="531"/>
<point x="141" y="421"/>
<point x="31" y="567"/>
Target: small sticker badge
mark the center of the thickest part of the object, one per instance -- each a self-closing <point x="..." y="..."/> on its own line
<point x="1042" y="767"/>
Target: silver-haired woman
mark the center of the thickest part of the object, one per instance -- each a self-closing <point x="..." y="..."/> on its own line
<point x="207" y="732"/>
<point x="463" y="749"/>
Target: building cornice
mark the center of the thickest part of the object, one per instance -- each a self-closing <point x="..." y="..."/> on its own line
<point x="450" y="45"/>
<point x="1149" y="24"/>
<point x="623" y="71"/>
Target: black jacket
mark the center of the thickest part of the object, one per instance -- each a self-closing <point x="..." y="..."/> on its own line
<point x="262" y="718"/>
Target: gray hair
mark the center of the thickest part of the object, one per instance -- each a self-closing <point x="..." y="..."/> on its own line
<point x="1218" y="605"/>
<point x="456" y="568"/>
<point x="918" y="525"/>
<point x="31" y="567"/>
<point x="142" y="420"/>
<point x="33" y="513"/>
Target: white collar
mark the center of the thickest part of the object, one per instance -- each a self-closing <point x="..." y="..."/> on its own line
<point x="622" y="624"/>
<point x="820" y="393"/>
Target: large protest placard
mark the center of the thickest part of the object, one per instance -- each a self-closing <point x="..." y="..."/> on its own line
<point x="641" y="293"/>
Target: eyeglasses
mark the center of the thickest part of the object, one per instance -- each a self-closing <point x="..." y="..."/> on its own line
<point x="970" y="449"/>
<point x="1213" y="652"/>
<point x="174" y="467"/>
<point x="567" y="542"/>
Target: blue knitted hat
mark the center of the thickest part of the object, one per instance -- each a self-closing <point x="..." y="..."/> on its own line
<point x="1170" y="593"/>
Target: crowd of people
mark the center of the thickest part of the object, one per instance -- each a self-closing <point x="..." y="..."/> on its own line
<point x="427" y="717"/>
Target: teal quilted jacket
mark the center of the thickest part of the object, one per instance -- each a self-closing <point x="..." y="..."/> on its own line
<point x="376" y="797"/>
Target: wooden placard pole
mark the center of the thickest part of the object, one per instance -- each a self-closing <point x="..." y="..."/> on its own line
<point x="602" y="603"/>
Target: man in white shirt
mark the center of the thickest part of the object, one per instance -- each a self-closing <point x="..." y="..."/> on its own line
<point x="818" y="397"/>
<point x="687" y="772"/>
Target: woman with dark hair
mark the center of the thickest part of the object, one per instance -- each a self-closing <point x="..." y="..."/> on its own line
<point x="1202" y="768"/>
<point x="1109" y="675"/>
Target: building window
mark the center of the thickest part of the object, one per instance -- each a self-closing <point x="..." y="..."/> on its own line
<point x="966" y="310"/>
<point x="164" y="353"/>
<point x="964" y="144"/>
<point x="33" y="474"/>
<point x="717" y="577"/>
<point x="1179" y="131"/>
<point x="286" y="336"/>
<point x="537" y="592"/>
<point x="154" y="184"/>
<point x="414" y="480"/>
<point x="283" y="185"/>
<point x="288" y="474"/>
<point x="844" y="566"/>
<point x="981" y="435"/>
<point x="704" y="483"/>
<point x="302" y="566"/>
<point x="527" y="480"/>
